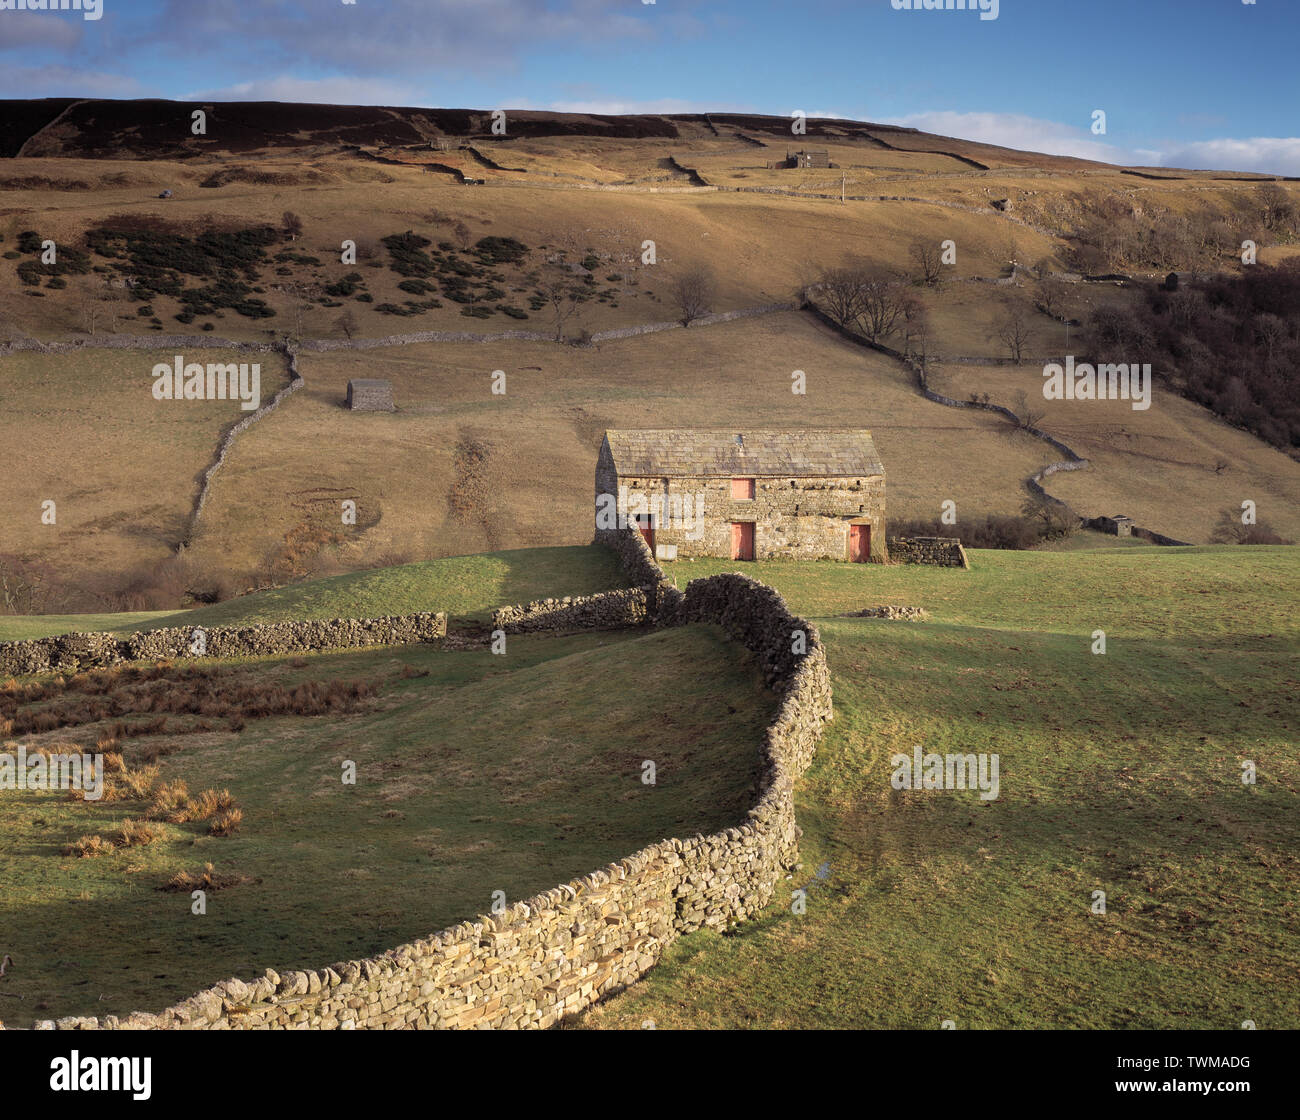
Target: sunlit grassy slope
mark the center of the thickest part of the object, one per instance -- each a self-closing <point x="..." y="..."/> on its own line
<point x="491" y="773"/>
<point x="1119" y="772"/>
<point x="462" y="586"/>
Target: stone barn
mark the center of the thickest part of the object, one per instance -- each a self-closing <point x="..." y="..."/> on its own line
<point x="793" y="494"/>
<point x="1119" y="525"/>
<point x="811" y="157"/>
<point x="368" y="394"/>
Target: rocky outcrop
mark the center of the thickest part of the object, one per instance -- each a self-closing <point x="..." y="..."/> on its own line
<point x="906" y="614"/>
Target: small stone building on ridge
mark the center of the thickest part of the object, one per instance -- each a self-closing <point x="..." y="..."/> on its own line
<point x="770" y="494"/>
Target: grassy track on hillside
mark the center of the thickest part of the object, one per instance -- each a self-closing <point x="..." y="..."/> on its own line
<point x="509" y="773"/>
<point x="463" y="586"/>
<point x="1119" y="773"/>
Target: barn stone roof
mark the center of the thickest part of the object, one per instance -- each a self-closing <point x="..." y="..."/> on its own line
<point x="726" y="453"/>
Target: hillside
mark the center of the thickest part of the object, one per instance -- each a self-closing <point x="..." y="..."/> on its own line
<point x="247" y="254"/>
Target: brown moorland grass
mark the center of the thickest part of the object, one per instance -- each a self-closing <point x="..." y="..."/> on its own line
<point x="124" y="498"/>
<point x="543" y="435"/>
<point x="762" y="247"/>
<point x="1158" y="465"/>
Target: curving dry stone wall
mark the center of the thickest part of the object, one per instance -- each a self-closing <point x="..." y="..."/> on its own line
<point x="560" y="951"/>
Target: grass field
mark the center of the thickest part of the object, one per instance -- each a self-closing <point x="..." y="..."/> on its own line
<point x="491" y="773"/>
<point x="1119" y="773"/>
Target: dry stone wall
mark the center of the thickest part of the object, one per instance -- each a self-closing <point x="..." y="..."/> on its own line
<point x="560" y="951"/>
<point x="610" y="610"/>
<point x="72" y="652"/>
<point x="945" y="552"/>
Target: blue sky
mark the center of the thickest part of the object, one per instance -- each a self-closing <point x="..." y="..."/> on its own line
<point x="1202" y="83"/>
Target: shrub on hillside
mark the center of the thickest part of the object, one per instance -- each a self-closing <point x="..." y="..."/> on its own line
<point x="500" y="250"/>
<point x="1229" y="530"/>
<point x="994" y="530"/>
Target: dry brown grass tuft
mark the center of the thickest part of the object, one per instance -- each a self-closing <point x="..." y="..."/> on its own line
<point x="209" y="803"/>
<point x="135" y="784"/>
<point x="133" y="834"/>
<point x="225" y="822"/>
<point x="86" y="847"/>
<point x="171" y="802"/>
<point x="209" y="880"/>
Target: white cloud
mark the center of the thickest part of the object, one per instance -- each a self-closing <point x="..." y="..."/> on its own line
<point x="1267" y="155"/>
<point x="1271" y="155"/>
<point x="404" y="37"/>
<point x="602" y="106"/>
<point x="1015" y="130"/>
<point x="37" y="29"/>
<point x="321" y="91"/>
<point x="67" y="81"/>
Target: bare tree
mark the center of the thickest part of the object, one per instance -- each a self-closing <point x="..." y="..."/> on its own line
<point x="347" y="323"/>
<point x="1271" y="331"/>
<point x="93" y="301"/>
<point x="1052" y="293"/>
<point x="916" y="330"/>
<point x="1184" y="306"/>
<point x="1012" y="329"/>
<point x="1054" y="519"/>
<point x="560" y="290"/>
<point x="841" y="294"/>
<point x="292" y="225"/>
<point x="882" y="305"/>
<point x="463" y="234"/>
<point x="25" y="587"/>
<point x="1276" y="206"/>
<point x="693" y="292"/>
<point x="1230" y="530"/>
<point x="929" y="260"/>
<point x="302" y="293"/>
<point x="1027" y="415"/>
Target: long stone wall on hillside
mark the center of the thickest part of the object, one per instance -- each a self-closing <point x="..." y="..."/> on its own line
<point x="228" y="440"/>
<point x="76" y="651"/>
<point x="558" y="952"/>
<point x="1034" y="484"/>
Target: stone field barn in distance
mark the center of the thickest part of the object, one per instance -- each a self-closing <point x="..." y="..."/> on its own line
<point x="368" y="394"/>
<point x="756" y="495"/>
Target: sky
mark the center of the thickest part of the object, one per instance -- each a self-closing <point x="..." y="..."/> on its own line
<point x="1182" y="83"/>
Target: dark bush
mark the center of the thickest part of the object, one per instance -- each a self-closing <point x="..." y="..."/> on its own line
<point x="500" y="250"/>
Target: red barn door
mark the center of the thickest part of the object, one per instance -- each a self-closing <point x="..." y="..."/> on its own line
<point x="859" y="543"/>
<point x="742" y="540"/>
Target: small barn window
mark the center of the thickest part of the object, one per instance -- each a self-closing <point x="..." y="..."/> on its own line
<point x="742" y="489"/>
